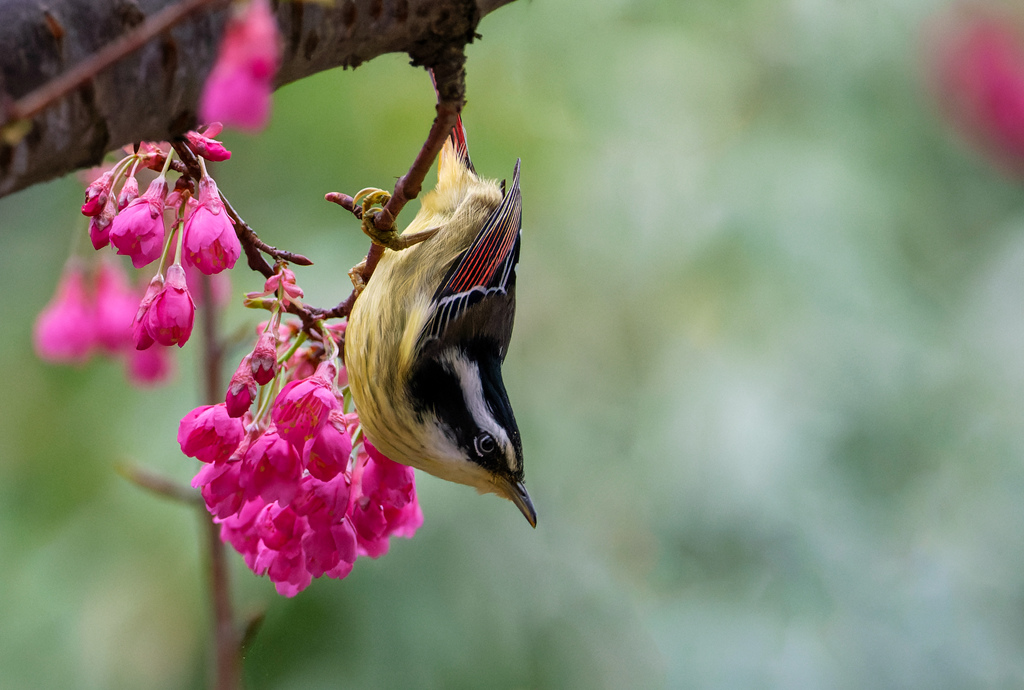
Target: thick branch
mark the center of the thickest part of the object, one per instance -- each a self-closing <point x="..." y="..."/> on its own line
<point x="153" y="93"/>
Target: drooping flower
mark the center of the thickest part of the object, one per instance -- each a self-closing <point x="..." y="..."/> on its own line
<point x="140" y="334"/>
<point x="279" y="553"/>
<point x="129" y="192"/>
<point x="221" y="488"/>
<point x="148" y="367"/>
<point x="977" y="73"/>
<point x="271" y="469"/>
<point x="301" y="408"/>
<point x="242" y="390"/>
<point x="116" y="304"/>
<point x="238" y="89"/>
<point x="209" y="434"/>
<point x="263" y="359"/>
<point x="211" y="244"/>
<point x="327" y="453"/>
<point x="238" y="527"/>
<point x="65" y="329"/>
<point x="100" y="224"/>
<point x="138" y="230"/>
<point x="385" y="504"/>
<point x="206" y="146"/>
<point x="169" y="318"/>
<point x="96" y="194"/>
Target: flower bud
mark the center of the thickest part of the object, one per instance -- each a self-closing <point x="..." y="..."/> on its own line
<point x="206" y="146"/>
<point x="242" y="390"/>
<point x="263" y="359"/>
<point x="129" y="192"/>
<point x="171" y="315"/>
<point x="140" y="336"/>
<point x="96" y="194"/>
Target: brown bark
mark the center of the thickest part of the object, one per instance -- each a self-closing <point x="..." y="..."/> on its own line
<point x="152" y="94"/>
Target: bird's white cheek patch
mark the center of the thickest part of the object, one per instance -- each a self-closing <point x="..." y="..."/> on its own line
<point x="468" y="373"/>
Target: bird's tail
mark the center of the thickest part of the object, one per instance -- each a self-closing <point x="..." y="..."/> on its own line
<point x="457" y="139"/>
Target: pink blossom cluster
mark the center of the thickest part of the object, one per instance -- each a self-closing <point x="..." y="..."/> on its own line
<point x="238" y="89"/>
<point x="285" y="487"/>
<point x="137" y="227"/>
<point x="976" y="64"/>
<point x="91" y="313"/>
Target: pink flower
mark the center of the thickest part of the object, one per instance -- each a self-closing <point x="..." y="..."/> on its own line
<point x="271" y="469"/>
<point x="211" y="244"/>
<point x="138" y="231"/>
<point x="327" y="454"/>
<point x="221" y="488"/>
<point x="301" y="408"/>
<point x="96" y="194"/>
<point x="330" y="550"/>
<point x="140" y="335"/>
<point x="977" y="66"/>
<point x="238" y="89"/>
<point x="170" y="316"/>
<point x="279" y="554"/>
<point x="385" y="504"/>
<point x="206" y="146"/>
<point x="263" y="359"/>
<point x="239" y="530"/>
<point x="99" y="225"/>
<point x="148" y="367"/>
<point x="116" y="304"/>
<point x="242" y="390"/>
<point x="285" y="278"/>
<point x="65" y="329"/>
<point x="129" y="192"/>
<point x="208" y="434"/>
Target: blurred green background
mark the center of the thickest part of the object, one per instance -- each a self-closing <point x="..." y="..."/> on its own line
<point x="767" y="367"/>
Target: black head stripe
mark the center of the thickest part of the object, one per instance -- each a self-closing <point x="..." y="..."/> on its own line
<point x="435" y="388"/>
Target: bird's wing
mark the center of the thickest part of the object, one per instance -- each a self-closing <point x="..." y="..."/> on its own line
<point x="486" y="269"/>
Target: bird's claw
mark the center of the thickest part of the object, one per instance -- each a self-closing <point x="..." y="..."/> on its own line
<point x="371" y="196"/>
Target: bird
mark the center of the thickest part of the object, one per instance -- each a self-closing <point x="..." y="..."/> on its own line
<point x="427" y="335"/>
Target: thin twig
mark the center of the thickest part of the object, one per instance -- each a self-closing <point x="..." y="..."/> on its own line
<point x="159" y="484"/>
<point x="36" y="101"/>
<point x="251" y="242"/>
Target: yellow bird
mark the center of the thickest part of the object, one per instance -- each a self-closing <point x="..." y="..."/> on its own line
<point x="426" y="338"/>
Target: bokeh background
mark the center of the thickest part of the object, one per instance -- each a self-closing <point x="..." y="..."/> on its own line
<point x="767" y="367"/>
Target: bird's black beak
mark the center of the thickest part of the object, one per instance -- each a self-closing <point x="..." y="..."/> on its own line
<point x="518" y="495"/>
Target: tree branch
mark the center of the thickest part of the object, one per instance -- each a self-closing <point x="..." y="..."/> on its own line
<point x="153" y="93"/>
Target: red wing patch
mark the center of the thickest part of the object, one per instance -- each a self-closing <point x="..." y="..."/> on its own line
<point x="487" y="266"/>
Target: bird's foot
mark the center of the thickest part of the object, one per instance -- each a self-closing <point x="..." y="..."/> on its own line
<point x="355" y="274"/>
<point x="391" y="239"/>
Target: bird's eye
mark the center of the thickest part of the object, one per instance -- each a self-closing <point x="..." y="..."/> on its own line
<point x="484" y="444"/>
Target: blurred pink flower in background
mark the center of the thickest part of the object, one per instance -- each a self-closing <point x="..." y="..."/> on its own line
<point x="237" y="92"/>
<point x="65" y="331"/>
<point x="975" y="63"/>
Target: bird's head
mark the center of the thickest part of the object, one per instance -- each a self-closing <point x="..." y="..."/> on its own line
<point x="473" y="438"/>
